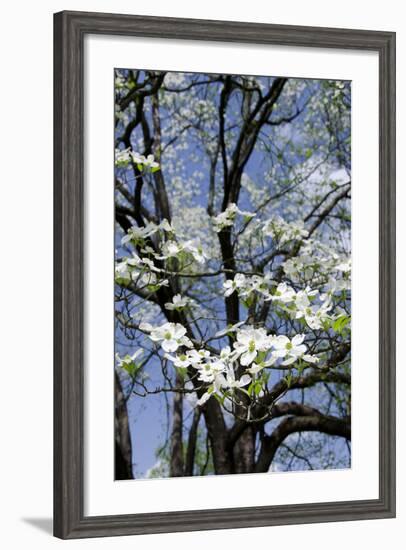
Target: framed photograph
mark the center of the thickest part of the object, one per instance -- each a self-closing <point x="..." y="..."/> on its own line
<point x="224" y="275"/>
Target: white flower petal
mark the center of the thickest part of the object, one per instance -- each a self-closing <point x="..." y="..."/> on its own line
<point x="170" y="345"/>
<point x="298" y="339"/>
<point x="310" y="359"/>
<point x="205" y="397"/>
<point x="145" y="327"/>
<point x="247" y="357"/>
<point x="244" y="380"/>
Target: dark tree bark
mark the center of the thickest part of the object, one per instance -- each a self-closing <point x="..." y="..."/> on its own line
<point x="123" y="452"/>
<point x="176" y="466"/>
<point x="191" y="447"/>
<point x="317" y="423"/>
<point x="217" y="433"/>
<point x="244" y="452"/>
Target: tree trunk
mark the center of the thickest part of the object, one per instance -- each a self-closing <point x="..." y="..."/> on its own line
<point x="176" y="468"/>
<point x="217" y="432"/>
<point x="192" y="440"/>
<point x="123" y="451"/>
<point x="244" y="452"/>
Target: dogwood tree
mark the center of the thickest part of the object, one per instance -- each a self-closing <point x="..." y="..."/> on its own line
<point x="233" y="270"/>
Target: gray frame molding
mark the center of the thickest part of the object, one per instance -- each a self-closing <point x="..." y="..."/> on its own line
<point x="69" y="31"/>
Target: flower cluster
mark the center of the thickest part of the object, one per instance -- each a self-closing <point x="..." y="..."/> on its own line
<point x="169" y="335"/>
<point x="302" y="304"/>
<point x="174" y="79"/>
<point x="228" y="216"/>
<point x="282" y="231"/>
<point x="298" y="304"/>
<point x="242" y="365"/>
<point x="245" y="285"/>
<point x="178" y="303"/>
<point x="128" y="363"/>
<point x="137" y="235"/>
<point x="253" y="349"/>
<point x="170" y="248"/>
<point x="315" y="315"/>
<point x="141" y="271"/>
<point x="174" y="249"/>
<point x="123" y="157"/>
<point x="318" y="262"/>
<point x="144" y="268"/>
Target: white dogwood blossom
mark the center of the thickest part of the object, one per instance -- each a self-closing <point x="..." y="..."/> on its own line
<point x="222" y="378"/>
<point x="228" y="216"/>
<point x="142" y="161"/>
<point x="282" y="231"/>
<point x="344" y="266"/>
<point x="174" y="249"/>
<point x="233" y="284"/>
<point x="196" y="250"/>
<point x="122" y="272"/>
<point x="229" y="329"/>
<point x="181" y="361"/>
<point x="123" y="158"/>
<point x="169" y="335"/>
<point x="292" y="350"/>
<point x="231" y="382"/>
<point x="210" y="370"/>
<point x="284" y="293"/>
<point x="190" y="357"/>
<point x="140" y="271"/>
<point x="137" y="235"/>
<point x="246" y="285"/>
<point x="249" y="342"/>
<point x="317" y="262"/>
<point x="314" y="315"/>
<point x="178" y="302"/>
<point x="128" y="360"/>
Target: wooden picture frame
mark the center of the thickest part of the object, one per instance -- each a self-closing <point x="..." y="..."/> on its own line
<point x="70" y="29"/>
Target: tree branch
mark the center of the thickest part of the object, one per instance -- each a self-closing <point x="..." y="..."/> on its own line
<point x="318" y="423"/>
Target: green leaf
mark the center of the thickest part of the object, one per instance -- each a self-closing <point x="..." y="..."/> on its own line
<point x="182" y="371"/>
<point x="340" y="323"/>
<point x="152" y="288"/>
<point x="300" y="366"/>
<point x="131" y="369"/>
<point x="261" y="356"/>
<point x="248" y="301"/>
<point x="123" y="282"/>
<point x="244" y="391"/>
<point x="265" y="377"/>
<point x="258" y="387"/>
<point x="326" y="323"/>
<point x="220" y="398"/>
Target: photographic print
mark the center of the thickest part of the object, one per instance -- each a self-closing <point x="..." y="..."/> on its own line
<point x="232" y="274"/>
